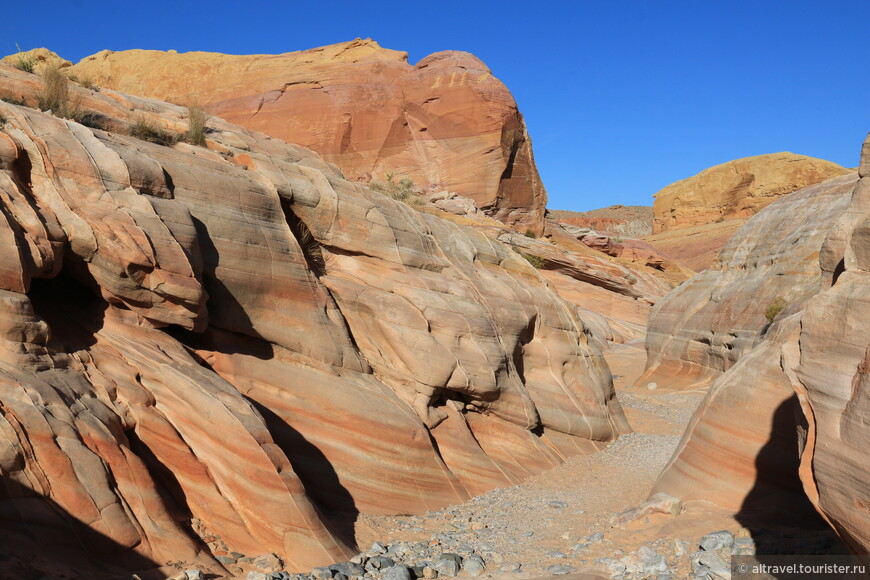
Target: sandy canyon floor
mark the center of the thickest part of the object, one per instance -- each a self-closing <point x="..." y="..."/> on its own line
<point x="559" y="522"/>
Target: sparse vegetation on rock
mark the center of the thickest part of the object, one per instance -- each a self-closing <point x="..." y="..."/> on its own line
<point x="196" y="125"/>
<point x="402" y="190"/>
<point x="145" y="129"/>
<point x="25" y="62"/>
<point x="55" y="95"/>
<point x="774" y="308"/>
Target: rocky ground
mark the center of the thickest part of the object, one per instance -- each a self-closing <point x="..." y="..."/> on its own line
<point x="561" y="522"/>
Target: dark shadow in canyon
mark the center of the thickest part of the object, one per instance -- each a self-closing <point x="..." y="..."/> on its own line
<point x="224" y="310"/>
<point x="41" y="539"/>
<point x="319" y="478"/>
<point x="777" y="512"/>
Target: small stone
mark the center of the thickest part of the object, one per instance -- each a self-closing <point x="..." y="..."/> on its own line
<point x="717" y="541"/>
<point x="559" y="569"/>
<point x="596" y="537"/>
<point x="379" y="563"/>
<point x="258" y="576"/>
<point x="322" y="573"/>
<point x="446" y="566"/>
<point x="416" y="571"/>
<point x="651" y="386"/>
<point x="529" y="534"/>
<point x="645" y="554"/>
<point x="555" y="554"/>
<point x="474" y="565"/>
<point x="398" y="572"/>
<point x="511" y="568"/>
<point x="743" y="547"/>
<point x="558" y="505"/>
<point x="655" y="566"/>
<point x="348" y="569"/>
<point x="225" y="559"/>
<point x="268" y="563"/>
<point x="709" y="562"/>
<point x="429" y="572"/>
<point x="193" y="574"/>
<point x="490" y="555"/>
<point x="378" y="548"/>
<point x="237" y="555"/>
<point x="450" y="556"/>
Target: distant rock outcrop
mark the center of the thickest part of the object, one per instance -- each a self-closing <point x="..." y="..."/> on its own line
<point x="37" y="59"/>
<point x="235" y="341"/>
<point x="707" y="324"/>
<point x="632" y="221"/>
<point x="792" y="409"/>
<point x="694" y="217"/>
<point x="445" y="122"/>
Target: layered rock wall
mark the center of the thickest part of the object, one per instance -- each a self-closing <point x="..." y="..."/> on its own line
<point x="236" y="340"/>
<point x="704" y="326"/>
<point x="794" y="408"/>
<point x="445" y="122"/>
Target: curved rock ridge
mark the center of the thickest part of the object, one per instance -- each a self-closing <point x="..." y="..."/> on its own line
<point x="737" y="189"/>
<point x="794" y="409"/>
<point x="445" y="122"/>
<point x="705" y="325"/>
<point x="235" y="341"/>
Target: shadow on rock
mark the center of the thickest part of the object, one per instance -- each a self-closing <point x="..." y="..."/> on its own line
<point x="777" y="512"/>
<point x="42" y="540"/>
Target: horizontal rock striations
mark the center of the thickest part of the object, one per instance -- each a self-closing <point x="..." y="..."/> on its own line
<point x="793" y="410"/>
<point x="235" y="341"/>
<point x="704" y="326"/>
<point x="445" y="122"/>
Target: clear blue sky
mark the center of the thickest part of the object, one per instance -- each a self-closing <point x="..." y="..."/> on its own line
<point x="621" y="98"/>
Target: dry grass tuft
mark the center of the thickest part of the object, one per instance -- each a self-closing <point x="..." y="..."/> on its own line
<point x="55" y="95"/>
<point x="196" y="125"/>
<point x="145" y="129"/>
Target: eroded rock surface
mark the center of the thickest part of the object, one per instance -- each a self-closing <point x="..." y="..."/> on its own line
<point x="793" y="409"/>
<point x="234" y="340"/>
<point x="694" y="218"/>
<point x="446" y="122"/>
<point x="704" y="326"/>
<point x="737" y="189"/>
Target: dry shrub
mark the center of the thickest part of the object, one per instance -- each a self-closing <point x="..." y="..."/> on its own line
<point x="403" y="190"/>
<point x="196" y="125"/>
<point x="25" y="62"/>
<point x="145" y="129"/>
<point x="55" y="95"/>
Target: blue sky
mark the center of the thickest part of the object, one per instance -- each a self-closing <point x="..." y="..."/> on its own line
<point x="621" y="98"/>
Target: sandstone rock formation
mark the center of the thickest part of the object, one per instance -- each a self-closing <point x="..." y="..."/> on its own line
<point x="704" y="326"/>
<point x="632" y="221"/>
<point x="694" y="217"/>
<point x="39" y="58"/>
<point x="234" y="340"/>
<point x="737" y="189"/>
<point x="446" y="122"/>
<point x="793" y="409"/>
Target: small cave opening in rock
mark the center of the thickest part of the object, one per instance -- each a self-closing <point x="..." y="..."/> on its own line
<point x="71" y="305"/>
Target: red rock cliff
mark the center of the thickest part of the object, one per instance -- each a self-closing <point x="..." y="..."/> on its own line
<point x="446" y="122"/>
